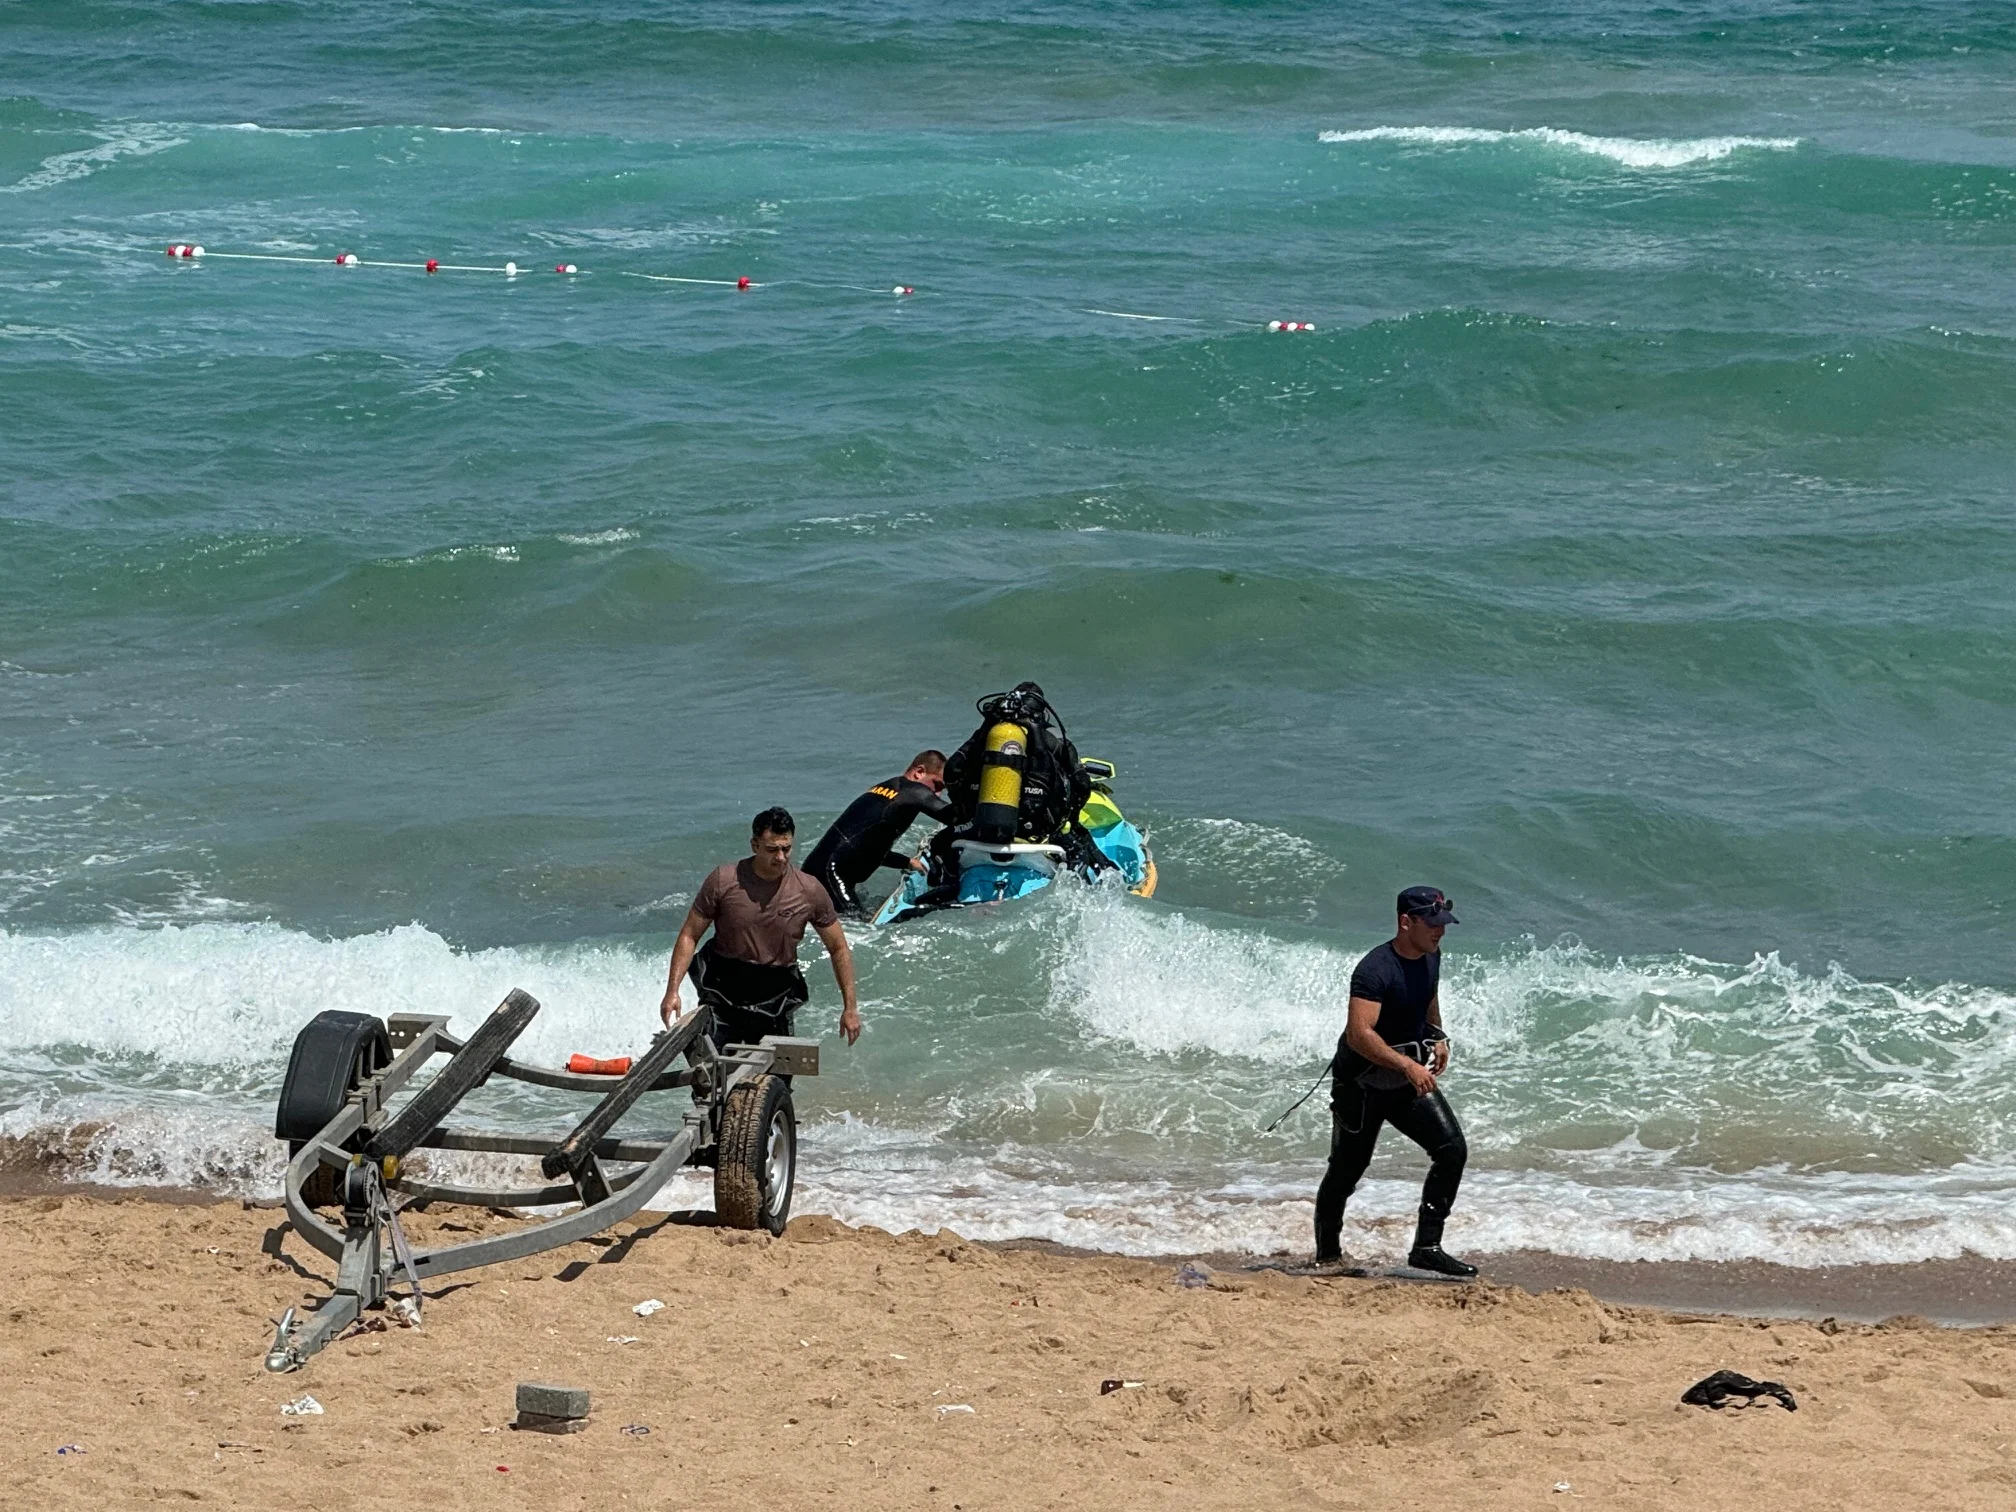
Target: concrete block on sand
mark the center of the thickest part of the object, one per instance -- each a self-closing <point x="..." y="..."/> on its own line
<point x="552" y="1401"/>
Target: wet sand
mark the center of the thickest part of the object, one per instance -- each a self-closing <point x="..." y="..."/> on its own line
<point x="831" y="1367"/>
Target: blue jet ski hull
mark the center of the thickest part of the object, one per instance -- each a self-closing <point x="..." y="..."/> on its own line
<point x="996" y="881"/>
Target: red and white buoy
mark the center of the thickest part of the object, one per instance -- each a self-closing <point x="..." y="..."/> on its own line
<point x="346" y="259"/>
<point x="565" y="268"/>
<point x="902" y="289"/>
<point x="1290" y="325"/>
<point x="742" y="282"/>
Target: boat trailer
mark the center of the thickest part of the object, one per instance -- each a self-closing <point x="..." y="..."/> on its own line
<point x="348" y="1145"/>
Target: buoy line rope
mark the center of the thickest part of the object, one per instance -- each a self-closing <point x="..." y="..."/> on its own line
<point x="358" y="262"/>
<point x="193" y="252"/>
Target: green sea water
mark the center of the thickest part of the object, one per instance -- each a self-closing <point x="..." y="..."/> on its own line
<point x="1627" y="550"/>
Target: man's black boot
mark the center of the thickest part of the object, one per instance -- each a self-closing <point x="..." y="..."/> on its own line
<point x="1428" y="1254"/>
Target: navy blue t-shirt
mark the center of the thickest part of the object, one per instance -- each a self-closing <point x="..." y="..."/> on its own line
<point x="1403" y="989"/>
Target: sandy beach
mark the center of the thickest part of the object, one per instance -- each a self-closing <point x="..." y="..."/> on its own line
<point x="852" y="1368"/>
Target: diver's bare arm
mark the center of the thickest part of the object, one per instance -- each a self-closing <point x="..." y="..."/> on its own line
<point x="682" y="957"/>
<point x="834" y="938"/>
<point x="1362" y="1037"/>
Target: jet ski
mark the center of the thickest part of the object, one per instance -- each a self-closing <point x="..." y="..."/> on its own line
<point x="1027" y="809"/>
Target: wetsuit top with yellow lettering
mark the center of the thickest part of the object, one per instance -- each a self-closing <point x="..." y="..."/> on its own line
<point x="865" y="836"/>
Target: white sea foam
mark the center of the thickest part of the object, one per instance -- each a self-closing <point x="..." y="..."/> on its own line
<point x="235" y="994"/>
<point x="1628" y="152"/>
<point x="133" y="141"/>
<point x="1164" y="983"/>
<point x="862" y="1174"/>
<point x="613" y="537"/>
<point x="314" y="131"/>
<point x="902" y="1178"/>
<point x="454" y="554"/>
<point x="152" y="1056"/>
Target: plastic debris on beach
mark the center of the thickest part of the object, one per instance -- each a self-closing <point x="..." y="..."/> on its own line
<point x="70" y="1449"/>
<point x="1189" y="1273"/>
<point x="635" y="1430"/>
<point x="1563" y="1486"/>
<point x="954" y="1407"/>
<point x="622" y="1338"/>
<point x="1716" y="1390"/>
<point x="646" y="1308"/>
<point x="1114" y="1383"/>
<point x="305" y="1406"/>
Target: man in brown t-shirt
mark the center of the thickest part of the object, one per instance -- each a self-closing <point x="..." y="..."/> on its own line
<point x="758" y="908"/>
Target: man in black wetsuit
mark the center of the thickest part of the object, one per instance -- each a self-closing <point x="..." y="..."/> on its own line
<point x="1388" y="1059"/>
<point x="864" y="837"/>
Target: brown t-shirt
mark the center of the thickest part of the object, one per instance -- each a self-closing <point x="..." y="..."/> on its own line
<point x="760" y="921"/>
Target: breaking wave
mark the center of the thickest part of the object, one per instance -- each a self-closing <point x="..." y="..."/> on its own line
<point x="1095" y="1070"/>
<point x="1627" y="152"/>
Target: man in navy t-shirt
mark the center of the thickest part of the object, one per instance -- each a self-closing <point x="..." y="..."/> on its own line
<point x="1388" y="1059"/>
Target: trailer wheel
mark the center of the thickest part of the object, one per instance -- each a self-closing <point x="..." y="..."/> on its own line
<point x="333" y="1054"/>
<point x="757" y="1157"/>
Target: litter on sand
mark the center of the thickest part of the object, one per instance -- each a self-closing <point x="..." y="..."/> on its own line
<point x="646" y="1308"/>
<point x="305" y="1406"/>
<point x="1190" y="1273"/>
<point x="1563" y="1486"/>
<point x="635" y="1430"/>
<point x="953" y="1407"/>
<point x="1716" y="1390"/>
<point x="622" y="1338"/>
<point x="70" y="1449"/>
<point x="1114" y="1383"/>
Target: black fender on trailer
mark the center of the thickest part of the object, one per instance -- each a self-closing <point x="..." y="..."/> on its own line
<point x="333" y="1054"/>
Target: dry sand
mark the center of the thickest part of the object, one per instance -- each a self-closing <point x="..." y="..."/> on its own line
<point x="815" y="1370"/>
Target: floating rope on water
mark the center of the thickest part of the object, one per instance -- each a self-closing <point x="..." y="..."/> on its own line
<point x="193" y="252"/>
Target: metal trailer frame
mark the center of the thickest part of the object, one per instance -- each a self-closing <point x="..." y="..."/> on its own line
<point x="367" y="1142"/>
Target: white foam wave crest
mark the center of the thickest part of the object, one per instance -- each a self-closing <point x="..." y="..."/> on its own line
<point x="236" y="994"/>
<point x="1166" y="983"/>
<point x="137" y="141"/>
<point x="1628" y="152"/>
<point x="152" y="1057"/>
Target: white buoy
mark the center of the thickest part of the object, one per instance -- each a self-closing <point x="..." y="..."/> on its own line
<point x="510" y="270"/>
<point x="195" y="251"/>
<point x="1273" y="325"/>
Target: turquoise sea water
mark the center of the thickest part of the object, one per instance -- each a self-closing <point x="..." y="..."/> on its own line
<point x="1627" y="550"/>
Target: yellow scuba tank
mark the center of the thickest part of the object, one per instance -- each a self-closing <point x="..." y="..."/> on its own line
<point x="994" y="817"/>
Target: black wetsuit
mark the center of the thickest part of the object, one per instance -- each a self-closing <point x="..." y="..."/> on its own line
<point x="1364" y="1096"/>
<point x="864" y="838"/>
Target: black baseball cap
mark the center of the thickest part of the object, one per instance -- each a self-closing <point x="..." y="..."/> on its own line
<point x="1428" y="905"/>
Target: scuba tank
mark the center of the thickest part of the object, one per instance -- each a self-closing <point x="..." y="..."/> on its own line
<point x="1001" y="766"/>
<point x="1018" y="776"/>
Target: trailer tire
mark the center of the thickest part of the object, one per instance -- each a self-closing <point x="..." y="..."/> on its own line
<point x="757" y="1156"/>
<point x="333" y="1054"/>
